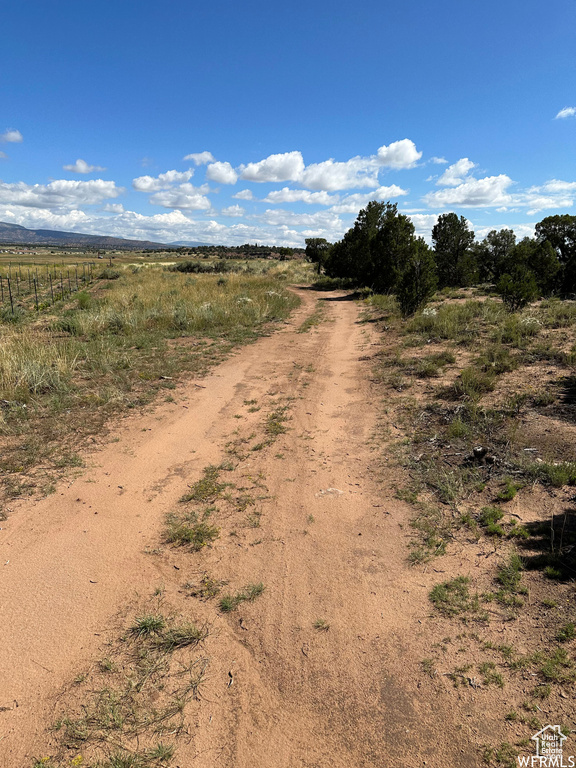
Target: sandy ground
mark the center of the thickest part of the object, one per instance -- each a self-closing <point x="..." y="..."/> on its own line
<point x="351" y="696"/>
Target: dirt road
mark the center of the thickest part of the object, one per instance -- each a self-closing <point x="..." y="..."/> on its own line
<point x="329" y="546"/>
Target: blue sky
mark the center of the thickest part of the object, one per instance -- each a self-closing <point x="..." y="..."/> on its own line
<point x="229" y="123"/>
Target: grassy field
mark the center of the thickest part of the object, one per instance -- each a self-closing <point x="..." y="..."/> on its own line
<point x="115" y="344"/>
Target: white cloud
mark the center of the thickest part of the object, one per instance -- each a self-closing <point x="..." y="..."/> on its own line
<point x="423" y="223"/>
<point x="275" y="168"/>
<point x="200" y="158"/>
<point x="11" y="137"/>
<point x="457" y="173"/>
<point x="113" y="208"/>
<point x="439" y="160"/>
<point x="3" y="156"/>
<point x="353" y="203"/>
<point x="60" y="194"/>
<point x="244" y="194"/>
<point x="331" y="176"/>
<point x="184" y="196"/>
<point x="399" y="154"/>
<point x="566" y="112"/>
<point x="162" y="181"/>
<point x="490" y="191"/>
<point x="279" y="217"/>
<point x="81" y="166"/>
<point x="552" y="194"/>
<point x="555" y="185"/>
<point x="221" y="173"/>
<point x="520" y="230"/>
<point x="286" y="195"/>
<point x="233" y="210"/>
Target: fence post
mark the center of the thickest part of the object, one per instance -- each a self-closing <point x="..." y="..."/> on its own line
<point x="36" y="294"/>
<point x="10" y="292"/>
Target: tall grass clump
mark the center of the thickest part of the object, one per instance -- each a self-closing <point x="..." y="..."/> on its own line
<point x="555" y="313"/>
<point x="33" y="364"/>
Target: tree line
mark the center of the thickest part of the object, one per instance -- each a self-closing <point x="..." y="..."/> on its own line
<point x="382" y="252"/>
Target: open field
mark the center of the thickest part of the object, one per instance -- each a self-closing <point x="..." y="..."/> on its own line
<point x="350" y="543"/>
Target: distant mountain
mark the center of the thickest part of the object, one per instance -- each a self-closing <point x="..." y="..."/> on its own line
<point x="14" y="233"/>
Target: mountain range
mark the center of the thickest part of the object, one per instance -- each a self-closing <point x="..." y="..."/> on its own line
<point x="17" y="235"/>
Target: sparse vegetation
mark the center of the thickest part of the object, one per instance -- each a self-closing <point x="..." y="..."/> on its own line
<point x="133" y="706"/>
<point x="321" y="625"/>
<point x="453" y="597"/>
<point x="251" y="592"/>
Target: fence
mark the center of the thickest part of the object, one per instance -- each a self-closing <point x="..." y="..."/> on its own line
<point x="35" y="288"/>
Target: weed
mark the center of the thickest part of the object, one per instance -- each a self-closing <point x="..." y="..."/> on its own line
<point x="275" y="422"/>
<point x="548" y="603"/>
<point x="518" y="531"/>
<point x="557" y="666"/>
<point x="489" y="675"/>
<point x="453" y="597"/>
<point x="567" y="633"/>
<point x="187" y="530"/>
<point x="428" y="667"/>
<point x="542" y="691"/>
<point x="508" y="491"/>
<point x="434" y="531"/>
<point x="505" y="756"/>
<point x="489" y="517"/>
<point x="321" y="625"/>
<point x="207" y="488"/>
<point x="473" y="383"/>
<point x="510" y="574"/>
<point x="181" y="636"/>
<point x="250" y="592"/>
<point x="314" y="319"/>
<point x="555" y="574"/>
<point x="148" y="624"/>
<point x="207" y="589"/>
<point x="457" y="428"/>
<point x="555" y="474"/>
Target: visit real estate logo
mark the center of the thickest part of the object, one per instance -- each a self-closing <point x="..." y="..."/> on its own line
<point x="549" y="750"/>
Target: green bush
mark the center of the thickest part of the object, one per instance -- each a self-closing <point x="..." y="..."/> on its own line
<point x="418" y="281"/>
<point x="517" y="289"/>
<point x="109" y="274"/>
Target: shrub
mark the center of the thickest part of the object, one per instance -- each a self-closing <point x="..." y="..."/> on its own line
<point x="418" y="280"/>
<point x="109" y="274"/>
<point x="517" y="289"/>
